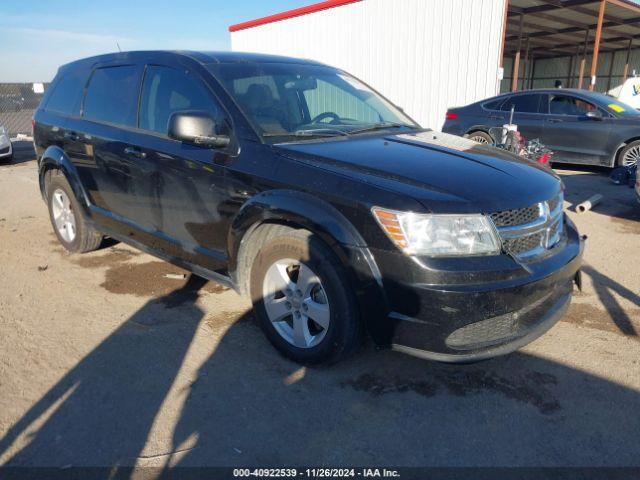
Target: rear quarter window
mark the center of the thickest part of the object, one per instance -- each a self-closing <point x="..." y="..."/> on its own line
<point x="67" y="92"/>
<point x="493" y="104"/>
<point x="525" y="103"/>
<point x="112" y="95"/>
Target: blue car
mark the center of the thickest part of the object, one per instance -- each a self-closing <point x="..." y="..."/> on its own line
<point x="579" y="126"/>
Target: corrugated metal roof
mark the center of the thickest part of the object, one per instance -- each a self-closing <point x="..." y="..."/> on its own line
<point x="559" y="27"/>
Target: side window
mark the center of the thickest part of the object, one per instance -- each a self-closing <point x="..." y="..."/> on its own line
<point x="167" y="90"/>
<point x="112" y="95"/>
<point x="66" y="95"/>
<point x="493" y="105"/>
<point x="330" y="98"/>
<point x="566" y="105"/>
<point x="527" y="103"/>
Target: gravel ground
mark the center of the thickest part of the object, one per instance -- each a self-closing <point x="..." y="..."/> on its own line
<point x="105" y="361"/>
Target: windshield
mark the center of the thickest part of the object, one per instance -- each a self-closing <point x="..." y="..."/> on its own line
<point x="620" y="108"/>
<point x="289" y="101"/>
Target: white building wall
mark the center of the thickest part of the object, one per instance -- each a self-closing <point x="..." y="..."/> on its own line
<point x="424" y="55"/>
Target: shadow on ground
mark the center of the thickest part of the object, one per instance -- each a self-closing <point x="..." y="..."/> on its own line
<point x="248" y="406"/>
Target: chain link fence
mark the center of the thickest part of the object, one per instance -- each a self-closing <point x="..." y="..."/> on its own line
<point x="17" y="104"/>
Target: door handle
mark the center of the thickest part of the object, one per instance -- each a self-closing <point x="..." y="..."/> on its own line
<point x="73" y="136"/>
<point x="555" y="120"/>
<point x="135" y="152"/>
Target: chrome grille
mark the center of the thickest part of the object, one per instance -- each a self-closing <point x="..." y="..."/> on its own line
<point x="508" y="218"/>
<point x="530" y="231"/>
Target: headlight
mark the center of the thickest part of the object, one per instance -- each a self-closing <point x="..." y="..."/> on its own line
<point x="439" y="235"/>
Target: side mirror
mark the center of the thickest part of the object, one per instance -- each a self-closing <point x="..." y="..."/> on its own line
<point x="195" y="127"/>
<point x="593" y="115"/>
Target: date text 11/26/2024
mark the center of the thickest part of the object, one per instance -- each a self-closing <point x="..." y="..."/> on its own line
<point x="316" y="473"/>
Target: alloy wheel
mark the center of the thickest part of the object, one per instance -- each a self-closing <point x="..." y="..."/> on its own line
<point x="296" y="303"/>
<point x="63" y="215"/>
<point x="479" y="139"/>
<point x="631" y="156"/>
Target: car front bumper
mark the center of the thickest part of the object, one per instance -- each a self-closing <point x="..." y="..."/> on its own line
<point x="453" y="313"/>
<point x="5" y="149"/>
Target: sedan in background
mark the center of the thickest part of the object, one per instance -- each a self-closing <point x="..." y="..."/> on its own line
<point x="6" y="152"/>
<point x="577" y="125"/>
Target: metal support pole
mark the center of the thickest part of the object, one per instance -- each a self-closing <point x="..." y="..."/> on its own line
<point x="574" y="62"/>
<point x="584" y="58"/>
<point x="533" y="73"/>
<point x="596" y="45"/>
<point x="526" y="64"/>
<point x="626" y="63"/>
<point x="570" y="72"/>
<point x="516" y="60"/>
<point x="613" y="59"/>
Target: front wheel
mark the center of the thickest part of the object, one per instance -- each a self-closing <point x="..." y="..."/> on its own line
<point x="302" y="298"/>
<point x="630" y="154"/>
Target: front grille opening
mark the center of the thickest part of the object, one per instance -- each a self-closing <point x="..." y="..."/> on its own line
<point x="520" y="245"/>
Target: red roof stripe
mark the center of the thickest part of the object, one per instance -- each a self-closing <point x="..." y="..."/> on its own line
<point x="296" y="12"/>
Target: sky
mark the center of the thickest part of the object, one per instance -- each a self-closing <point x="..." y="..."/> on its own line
<point x="38" y="36"/>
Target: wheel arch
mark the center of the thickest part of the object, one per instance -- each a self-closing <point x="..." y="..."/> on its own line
<point x="618" y="150"/>
<point x="55" y="158"/>
<point x="478" y="128"/>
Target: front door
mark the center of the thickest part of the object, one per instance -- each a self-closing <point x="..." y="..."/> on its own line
<point x="574" y="137"/>
<point x="187" y="194"/>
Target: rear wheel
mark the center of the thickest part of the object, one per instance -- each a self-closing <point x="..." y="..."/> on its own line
<point x="66" y="216"/>
<point x="629" y="155"/>
<point x="480" y="137"/>
<point x="302" y="300"/>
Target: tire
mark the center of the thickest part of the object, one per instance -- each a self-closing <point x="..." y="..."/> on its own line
<point x="629" y="155"/>
<point x="337" y="332"/>
<point x="480" y="137"/>
<point x="65" y="212"/>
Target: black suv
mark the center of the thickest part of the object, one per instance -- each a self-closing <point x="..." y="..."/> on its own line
<point x="298" y="184"/>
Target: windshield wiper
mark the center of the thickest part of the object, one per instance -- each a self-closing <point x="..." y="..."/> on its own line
<point x="319" y="132"/>
<point x="378" y="126"/>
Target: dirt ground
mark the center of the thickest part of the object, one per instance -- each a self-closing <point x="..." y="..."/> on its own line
<point x="105" y="361"/>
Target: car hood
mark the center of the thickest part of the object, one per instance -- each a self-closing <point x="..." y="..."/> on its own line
<point x="446" y="173"/>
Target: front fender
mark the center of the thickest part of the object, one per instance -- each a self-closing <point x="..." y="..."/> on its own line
<point x="55" y="157"/>
<point x="306" y="211"/>
<point x="297" y="208"/>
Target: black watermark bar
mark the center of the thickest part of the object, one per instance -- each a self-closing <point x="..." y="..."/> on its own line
<point x="411" y="473"/>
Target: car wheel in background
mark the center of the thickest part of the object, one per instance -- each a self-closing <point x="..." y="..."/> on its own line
<point x="302" y="299"/>
<point x="629" y="155"/>
<point x="480" y="137"/>
<point x="67" y="218"/>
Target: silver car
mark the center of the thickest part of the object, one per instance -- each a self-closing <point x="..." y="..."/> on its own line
<point x="6" y="151"/>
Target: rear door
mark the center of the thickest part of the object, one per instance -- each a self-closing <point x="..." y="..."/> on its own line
<point x="185" y="187"/>
<point x="528" y="114"/>
<point x="98" y="141"/>
<point x="574" y="137"/>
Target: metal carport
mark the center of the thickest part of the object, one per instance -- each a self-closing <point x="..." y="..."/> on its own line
<point x="583" y="43"/>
